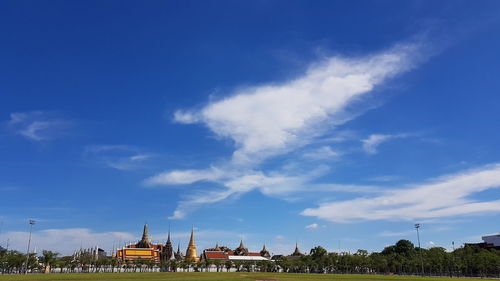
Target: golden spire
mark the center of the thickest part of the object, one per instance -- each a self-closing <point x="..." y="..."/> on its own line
<point x="191" y="240"/>
<point x="191" y="249"/>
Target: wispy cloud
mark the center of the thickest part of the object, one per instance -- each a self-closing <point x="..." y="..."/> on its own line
<point x="270" y="120"/>
<point x="120" y="157"/>
<point x="312" y="226"/>
<point x="322" y="153"/>
<point x="396" y="234"/>
<point x="371" y="143"/>
<point x="38" y="125"/>
<point x="443" y="197"/>
<point x="186" y="176"/>
<point x="234" y="184"/>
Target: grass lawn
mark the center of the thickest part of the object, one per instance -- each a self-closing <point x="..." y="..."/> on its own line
<point x="216" y="276"/>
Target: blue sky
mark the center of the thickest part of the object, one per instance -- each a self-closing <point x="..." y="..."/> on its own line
<point x="333" y="123"/>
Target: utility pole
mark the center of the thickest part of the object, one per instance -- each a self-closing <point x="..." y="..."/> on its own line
<point x="453" y="258"/>
<point x="417" y="226"/>
<point x="31" y="222"/>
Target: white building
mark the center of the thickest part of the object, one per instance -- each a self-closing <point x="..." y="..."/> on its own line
<point x="492" y="239"/>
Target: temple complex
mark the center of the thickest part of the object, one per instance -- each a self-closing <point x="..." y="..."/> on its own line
<point x="145" y="249"/>
<point x="142" y="250"/>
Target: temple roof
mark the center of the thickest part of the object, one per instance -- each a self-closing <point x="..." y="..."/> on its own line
<point x="297" y="251"/>
<point x="169" y="243"/>
<point x="145" y="241"/>
<point x="191" y="240"/>
<point x="264" y="252"/>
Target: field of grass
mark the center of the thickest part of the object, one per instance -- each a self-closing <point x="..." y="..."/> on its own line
<point x="215" y="276"/>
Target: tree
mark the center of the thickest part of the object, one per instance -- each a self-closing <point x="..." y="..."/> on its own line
<point x="48" y="259"/>
<point x="318" y="252"/>
<point x="404" y="247"/>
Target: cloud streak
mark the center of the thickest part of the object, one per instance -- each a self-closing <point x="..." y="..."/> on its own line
<point x="448" y="196"/>
<point x="37" y="125"/>
<point x="371" y="143"/>
<point x="120" y="157"/>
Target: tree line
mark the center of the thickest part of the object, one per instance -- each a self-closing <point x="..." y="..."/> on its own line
<point x="402" y="258"/>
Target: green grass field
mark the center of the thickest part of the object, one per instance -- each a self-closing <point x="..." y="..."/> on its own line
<point x="216" y="276"/>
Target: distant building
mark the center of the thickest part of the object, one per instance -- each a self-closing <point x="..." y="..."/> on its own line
<point x="168" y="251"/>
<point x="143" y="250"/>
<point x="295" y="255"/>
<point x="492" y="240"/>
<point x="489" y="242"/>
<point x="222" y="253"/>
<point x="95" y="253"/>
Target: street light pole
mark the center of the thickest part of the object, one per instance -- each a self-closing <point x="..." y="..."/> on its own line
<point x="31" y="222"/>
<point x="453" y="258"/>
<point x="417" y="226"/>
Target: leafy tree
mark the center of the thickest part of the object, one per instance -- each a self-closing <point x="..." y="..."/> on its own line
<point x="48" y="259"/>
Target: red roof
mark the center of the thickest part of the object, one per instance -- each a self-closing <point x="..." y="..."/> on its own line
<point x="254" y="254"/>
<point x="215" y="255"/>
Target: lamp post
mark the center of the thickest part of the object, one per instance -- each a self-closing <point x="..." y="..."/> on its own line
<point x="31" y="222"/>
<point x="453" y="258"/>
<point x="417" y="226"/>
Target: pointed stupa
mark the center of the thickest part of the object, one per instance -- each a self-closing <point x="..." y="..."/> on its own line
<point x="145" y="235"/>
<point x="168" y="238"/>
<point x="241" y="250"/>
<point x="178" y="254"/>
<point x="297" y="251"/>
<point x="172" y="257"/>
<point x="191" y="240"/>
<point x="168" y="250"/>
<point x="191" y="249"/>
<point x="264" y="252"/>
<point x="145" y="241"/>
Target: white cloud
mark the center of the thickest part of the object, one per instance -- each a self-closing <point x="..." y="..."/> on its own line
<point x="386" y="178"/>
<point x="269" y="120"/>
<point x="186" y="176"/>
<point x="185" y="117"/>
<point x="120" y="157"/>
<point x="234" y="183"/>
<point x="322" y="153"/>
<point x="371" y="143"/>
<point x="444" y="197"/>
<point x="396" y="234"/>
<point x="312" y="226"/>
<point x="65" y="241"/>
<point x="37" y="125"/>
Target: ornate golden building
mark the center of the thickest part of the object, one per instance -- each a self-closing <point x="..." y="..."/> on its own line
<point x="142" y="250"/>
